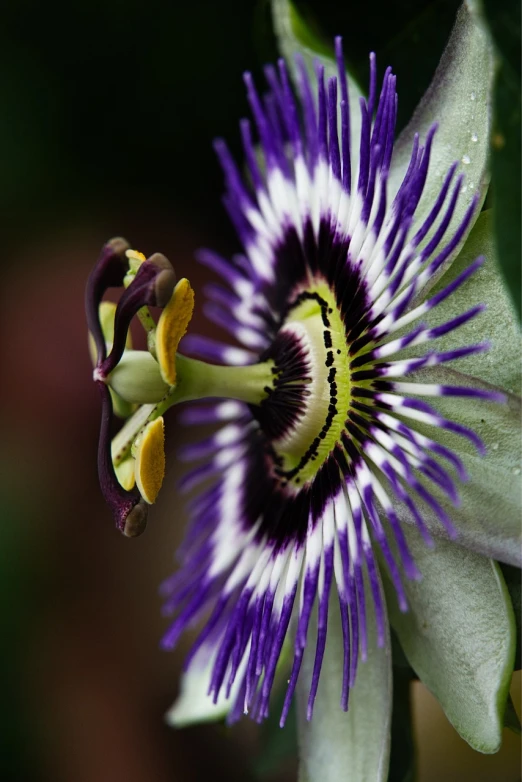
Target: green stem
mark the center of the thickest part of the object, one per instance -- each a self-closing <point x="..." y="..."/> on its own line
<point x="197" y="380"/>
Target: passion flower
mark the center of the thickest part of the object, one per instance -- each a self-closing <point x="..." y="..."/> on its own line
<point x="322" y="431"/>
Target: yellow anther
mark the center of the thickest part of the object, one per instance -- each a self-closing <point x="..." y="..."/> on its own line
<point x="171" y="328"/>
<point x="150" y="460"/>
<point x="125" y="473"/>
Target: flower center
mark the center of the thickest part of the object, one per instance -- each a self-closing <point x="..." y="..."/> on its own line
<point x="303" y="415"/>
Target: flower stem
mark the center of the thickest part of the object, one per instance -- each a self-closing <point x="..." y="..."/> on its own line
<point x="197" y="380"/>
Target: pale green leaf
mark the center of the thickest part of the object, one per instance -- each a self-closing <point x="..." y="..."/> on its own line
<point x="353" y="745"/>
<point x="459" y="100"/>
<point x="488" y="519"/>
<point x="459" y="636"/>
<point x="499" y="324"/>
<point x="294" y="37"/>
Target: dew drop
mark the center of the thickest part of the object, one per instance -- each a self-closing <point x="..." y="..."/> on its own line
<point x="464" y="189"/>
<point x="473" y="96"/>
<point x="494" y="446"/>
<point x="474" y="138"/>
<point x="516" y="470"/>
<point x="466" y="160"/>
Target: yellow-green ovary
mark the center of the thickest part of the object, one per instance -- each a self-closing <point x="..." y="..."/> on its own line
<point x="316" y="323"/>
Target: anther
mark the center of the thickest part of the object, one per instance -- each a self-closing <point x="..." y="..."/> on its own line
<point x="150" y="460"/>
<point x="172" y="326"/>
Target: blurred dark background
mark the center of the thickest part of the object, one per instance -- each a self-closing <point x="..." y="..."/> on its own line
<point x="107" y="114"/>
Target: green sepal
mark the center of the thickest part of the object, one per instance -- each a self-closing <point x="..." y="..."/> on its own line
<point x="459" y="100"/>
<point x="459" y="636"/>
<point x="295" y="37"/>
<point x="504" y="23"/>
<point x="402" y="755"/>
<point x="193" y="705"/>
<point x="488" y="517"/>
<point x="512" y="577"/>
<point x="352" y="745"/>
<point x="277" y="744"/>
<point x="500" y="365"/>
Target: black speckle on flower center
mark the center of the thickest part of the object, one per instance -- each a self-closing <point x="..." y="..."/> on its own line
<point x="304" y="413"/>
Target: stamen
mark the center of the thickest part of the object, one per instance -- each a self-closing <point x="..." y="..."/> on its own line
<point x="150" y="460"/>
<point x="172" y="326"/>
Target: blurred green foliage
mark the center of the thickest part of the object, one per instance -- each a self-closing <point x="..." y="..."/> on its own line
<point x="504" y="23"/>
<point x="110" y="102"/>
<point x="410" y="36"/>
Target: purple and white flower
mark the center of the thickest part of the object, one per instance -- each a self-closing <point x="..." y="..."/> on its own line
<point x="332" y="457"/>
<point x="330" y="290"/>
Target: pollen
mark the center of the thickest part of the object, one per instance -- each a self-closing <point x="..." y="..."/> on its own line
<point x="150" y="460"/>
<point x="172" y="326"/>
